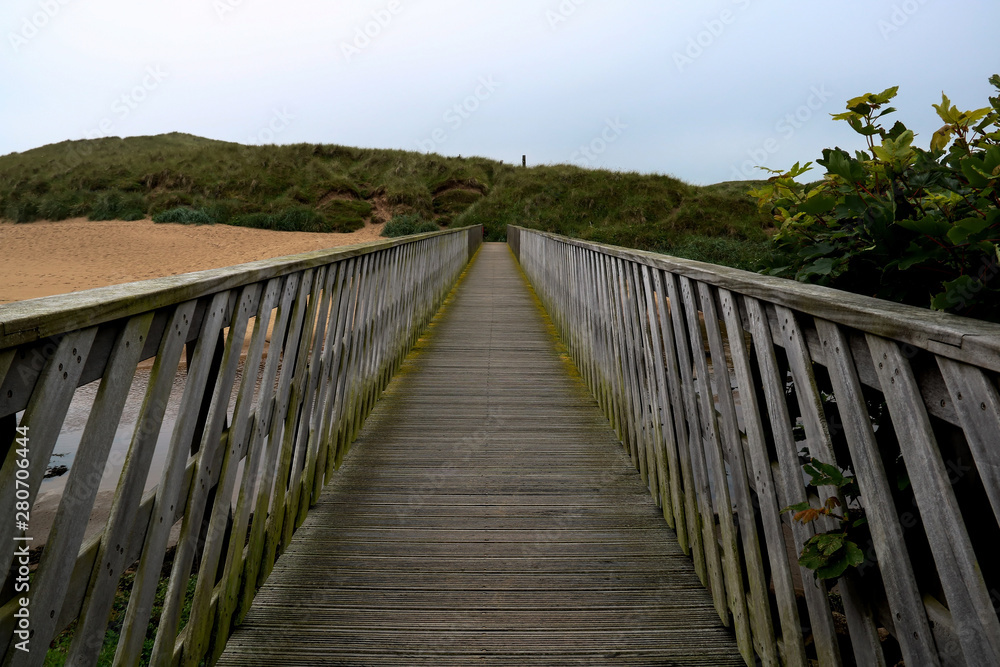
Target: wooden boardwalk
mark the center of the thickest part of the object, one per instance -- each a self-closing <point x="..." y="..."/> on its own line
<point x="487" y="514"/>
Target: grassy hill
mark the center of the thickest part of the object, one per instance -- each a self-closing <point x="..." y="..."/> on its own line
<point x="308" y="187"/>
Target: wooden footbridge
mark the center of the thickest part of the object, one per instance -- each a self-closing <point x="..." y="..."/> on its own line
<point x="563" y="453"/>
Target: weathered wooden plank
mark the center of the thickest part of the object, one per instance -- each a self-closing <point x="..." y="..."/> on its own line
<point x="200" y="619"/>
<point x="718" y="490"/>
<point x="758" y="609"/>
<point x="793" y="647"/>
<point x="957" y="566"/>
<point x="264" y="425"/>
<point x="978" y="405"/>
<point x="701" y="428"/>
<point x="681" y="377"/>
<point x="187" y="545"/>
<point x="234" y="565"/>
<point x="169" y="489"/>
<point x="664" y="444"/>
<point x="790" y="475"/>
<point x="42" y="418"/>
<point x="66" y="535"/>
<point x="865" y="642"/>
<point x="904" y="597"/>
<point x="110" y="563"/>
<point x="680" y="473"/>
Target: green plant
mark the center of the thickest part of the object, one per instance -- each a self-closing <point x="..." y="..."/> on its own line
<point x="117" y="205"/>
<point x="829" y="554"/>
<point x="404" y="225"/>
<point x="897" y="221"/>
<point x="185" y="216"/>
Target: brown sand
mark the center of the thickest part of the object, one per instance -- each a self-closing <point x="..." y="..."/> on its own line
<point x="45" y="258"/>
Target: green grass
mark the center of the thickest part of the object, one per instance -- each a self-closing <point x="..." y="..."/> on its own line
<point x="322" y="188"/>
<point x="403" y="225"/>
<point x="59" y="650"/>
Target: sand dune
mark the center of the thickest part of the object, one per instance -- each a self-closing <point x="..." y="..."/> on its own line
<point x="45" y="258"/>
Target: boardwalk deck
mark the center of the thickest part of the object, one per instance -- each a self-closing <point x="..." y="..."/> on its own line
<point x="486" y="514"/>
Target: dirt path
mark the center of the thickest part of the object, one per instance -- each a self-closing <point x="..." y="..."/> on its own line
<point x="45" y="258"/>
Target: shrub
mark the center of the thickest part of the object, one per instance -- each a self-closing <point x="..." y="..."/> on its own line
<point x="184" y="216"/>
<point x="291" y="220"/>
<point x="115" y="205"/>
<point x="404" y="225"/>
<point x="21" y="211"/>
<point x="345" y="215"/>
<point x="897" y="221"/>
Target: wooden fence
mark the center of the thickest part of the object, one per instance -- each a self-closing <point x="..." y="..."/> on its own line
<point x="716" y="379"/>
<point x="313" y="339"/>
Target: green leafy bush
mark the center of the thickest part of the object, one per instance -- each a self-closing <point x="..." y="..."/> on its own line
<point x="404" y="225"/>
<point x="184" y="216"/>
<point x="21" y="211"/>
<point x="897" y="221"/>
<point x="116" y="205"/>
<point x="830" y="553"/>
<point x="302" y="219"/>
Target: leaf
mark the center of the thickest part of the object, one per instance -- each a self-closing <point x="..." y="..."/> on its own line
<point x="946" y="110"/>
<point x="812" y="560"/>
<point x="854" y="555"/>
<point x="798" y="507"/>
<point x="821" y="267"/>
<point x="956" y="293"/>
<point x="929" y="225"/>
<point x="829" y="543"/>
<point x="818" y="204"/>
<point x="940" y="139"/>
<point x="840" y="163"/>
<point x="963" y="229"/>
<point x="886" y="95"/>
<point x="807" y="515"/>
<point x="832" y="570"/>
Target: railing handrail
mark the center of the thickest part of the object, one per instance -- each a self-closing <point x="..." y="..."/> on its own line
<point x="33" y="319"/>
<point x="953" y="336"/>
<point x="715" y="379"/>
<point x="285" y="359"/>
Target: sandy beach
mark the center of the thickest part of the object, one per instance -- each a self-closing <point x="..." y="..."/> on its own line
<point x="46" y="258"/>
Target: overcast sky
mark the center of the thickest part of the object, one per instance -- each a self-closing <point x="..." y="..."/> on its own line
<point x="699" y="90"/>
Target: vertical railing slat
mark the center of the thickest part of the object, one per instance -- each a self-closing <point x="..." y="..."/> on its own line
<point x="793" y="647"/>
<point x="66" y="535"/>
<point x="759" y="607"/>
<point x="108" y="566"/>
<point x="961" y="577"/>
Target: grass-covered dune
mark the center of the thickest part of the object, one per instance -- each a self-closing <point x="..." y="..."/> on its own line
<point x="313" y="187"/>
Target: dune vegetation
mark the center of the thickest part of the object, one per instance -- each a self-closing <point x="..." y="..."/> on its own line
<point x="179" y="178"/>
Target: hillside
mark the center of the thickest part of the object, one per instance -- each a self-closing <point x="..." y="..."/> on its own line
<point x="308" y="187"/>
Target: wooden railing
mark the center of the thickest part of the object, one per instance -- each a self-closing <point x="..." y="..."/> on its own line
<point x="313" y="338"/>
<point x="715" y="379"/>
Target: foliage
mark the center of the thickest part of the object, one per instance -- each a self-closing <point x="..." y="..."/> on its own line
<point x="830" y="553"/>
<point x="116" y="205"/>
<point x="185" y="216"/>
<point x="897" y="221"/>
<point x="404" y="225"/>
